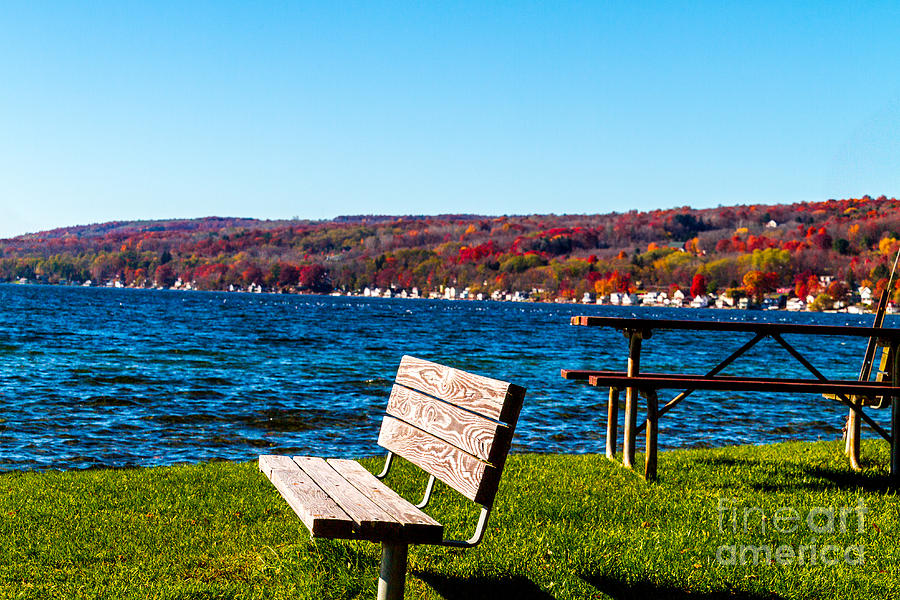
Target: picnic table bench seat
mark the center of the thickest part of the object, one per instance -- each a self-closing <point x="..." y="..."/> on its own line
<point x="455" y="426"/>
<point x="658" y="381"/>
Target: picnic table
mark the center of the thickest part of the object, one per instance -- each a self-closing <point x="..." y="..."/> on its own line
<point x="851" y="393"/>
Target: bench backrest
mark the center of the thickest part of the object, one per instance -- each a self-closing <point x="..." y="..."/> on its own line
<point x="452" y="424"/>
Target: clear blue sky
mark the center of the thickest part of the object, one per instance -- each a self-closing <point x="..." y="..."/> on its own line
<point x="127" y="110"/>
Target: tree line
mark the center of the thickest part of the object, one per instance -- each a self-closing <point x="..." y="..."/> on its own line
<point x="810" y="248"/>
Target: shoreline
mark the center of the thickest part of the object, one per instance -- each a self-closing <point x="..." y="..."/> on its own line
<point x="853" y="309"/>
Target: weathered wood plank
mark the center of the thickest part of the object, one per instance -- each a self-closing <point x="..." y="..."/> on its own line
<point x="586" y="375"/>
<point x="652" y="433"/>
<point x="474" y="479"/>
<point x="273" y="462"/>
<point x="747" y="384"/>
<point x="484" y="438"/>
<point x="577" y="374"/>
<point x="629" y="431"/>
<point x="626" y="323"/>
<point x="492" y="398"/>
<point x="612" y="423"/>
<point x="895" y="416"/>
<point x="371" y="521"/>
<point x="416" y="526"/>
<point x="321" y="515"/>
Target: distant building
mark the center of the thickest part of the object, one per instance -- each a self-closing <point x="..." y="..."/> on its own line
<point x="724" y="301"/>
<point x="795" y="304"/>
<point x="865" y="295"/>
<point x="629" y="299"/>
<point x="649" y="299"/>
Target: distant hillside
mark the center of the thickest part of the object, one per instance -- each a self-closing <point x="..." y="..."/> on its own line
<point x="749" y="249"/>
<point x="137" y="227"/>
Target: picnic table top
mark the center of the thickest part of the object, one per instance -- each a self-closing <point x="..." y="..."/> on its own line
<point x="767" y="328"/>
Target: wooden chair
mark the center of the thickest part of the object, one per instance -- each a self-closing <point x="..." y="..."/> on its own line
<point x="454" y="425"/>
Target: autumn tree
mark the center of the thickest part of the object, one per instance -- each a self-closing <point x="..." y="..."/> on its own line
<point x="698" y="285"/>
<point x="757" y="284"/>
<point x="164" y="276"/>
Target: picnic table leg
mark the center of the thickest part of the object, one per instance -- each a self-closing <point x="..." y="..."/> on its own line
<point x="895" y="446"/>
<point x="612" y="423"/>
<point x="392" y="575"/>
<point x="853" y="435"/>
<point x="634" y="367"/>
<point x="895" y="419"/>
<point x="652" y="430"/>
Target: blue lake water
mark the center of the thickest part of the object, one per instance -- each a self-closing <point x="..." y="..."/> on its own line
<point x="116" y="377"/>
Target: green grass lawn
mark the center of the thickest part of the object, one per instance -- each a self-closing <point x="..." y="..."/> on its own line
<point x="564" y="527"/>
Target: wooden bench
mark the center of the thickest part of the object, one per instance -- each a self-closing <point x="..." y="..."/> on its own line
<point x="454" y="425"/>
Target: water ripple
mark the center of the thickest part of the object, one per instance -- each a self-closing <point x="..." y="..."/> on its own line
<point x="103" y="377"/>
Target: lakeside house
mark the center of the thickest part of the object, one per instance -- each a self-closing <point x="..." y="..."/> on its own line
<point x="795" y="304"/>
<point x="865" y="295"/>
<point x="700" y="302"/>
<point x="723" y="300"/>
<point x="623" y="299"/>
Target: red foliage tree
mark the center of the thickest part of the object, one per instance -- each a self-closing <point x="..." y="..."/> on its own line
<point x="698" y="285"/>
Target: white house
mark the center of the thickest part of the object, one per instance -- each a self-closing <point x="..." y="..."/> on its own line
<point x="649" y="299"/>
<point x="724" y="301"/>
<point x="865" y="295"/>
<point x="795" y="304"/>
<point x="629" y="299"/>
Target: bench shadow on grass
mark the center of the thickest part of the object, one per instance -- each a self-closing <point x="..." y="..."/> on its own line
<point x="456" y="588"/>
<point x="646" y="590"/>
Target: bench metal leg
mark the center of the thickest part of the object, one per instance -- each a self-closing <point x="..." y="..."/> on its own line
<point x="426" y="497"/>
<point x="387" y="465"/>
<point x="612" y="423"/>
<point x="392" y="575"/>
<point x="652" y="428"/>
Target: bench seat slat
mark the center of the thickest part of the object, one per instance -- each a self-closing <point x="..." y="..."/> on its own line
<point x="474" y="479"/>
<point x="483" y="438"/>
<point x="492" y="398"/>
<point x="318" y="511"/>
<point x="417" y="527"/>
<point x="370" y="520"/>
